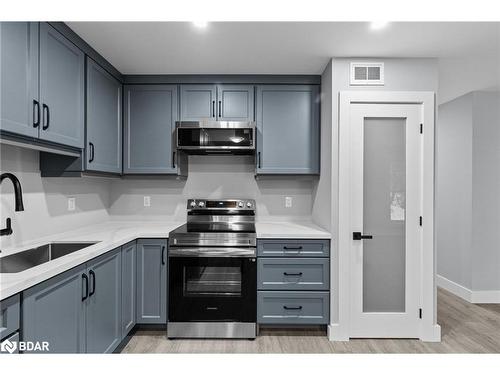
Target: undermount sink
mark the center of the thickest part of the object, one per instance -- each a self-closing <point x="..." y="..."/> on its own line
<point x="42" y="254"/>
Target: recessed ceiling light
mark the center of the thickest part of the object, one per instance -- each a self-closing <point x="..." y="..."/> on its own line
<point x="378" y="25"/>
<point x="200" y="24"/>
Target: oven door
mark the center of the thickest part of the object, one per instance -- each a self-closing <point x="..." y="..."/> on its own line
<point x="212" y="289"/>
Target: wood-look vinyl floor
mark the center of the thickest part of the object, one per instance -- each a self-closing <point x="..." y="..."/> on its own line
<point x="465" y="328"/>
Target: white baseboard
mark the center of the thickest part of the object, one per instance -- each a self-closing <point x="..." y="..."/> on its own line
<point x="472" y="296"/>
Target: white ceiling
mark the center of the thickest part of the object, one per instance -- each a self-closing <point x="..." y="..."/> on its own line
<point x="276" y="47"/>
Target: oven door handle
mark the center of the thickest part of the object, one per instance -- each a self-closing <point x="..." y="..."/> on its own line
<point x="214" y="252"/>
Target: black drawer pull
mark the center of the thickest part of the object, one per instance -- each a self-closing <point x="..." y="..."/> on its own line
<point x="163" y="255"/>
<point x="292" y="247"/>
<point x="292" y="273"/>
<point x="292" y="307"/>
<point x="213" y="108"/>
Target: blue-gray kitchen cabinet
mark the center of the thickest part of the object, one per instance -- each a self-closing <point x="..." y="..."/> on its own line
<point x="151" y="281"/>
<point x="19" y="78"/>
<point x="217" y="102"/>
<point x="198" y="102"/>
<point x="129" y="270"/>
<point x="149" y="122"/>
<point x="103" y="120"/>
<point x="9" y="316"/>
<point x="235" y="102"/>
<point x="288" y="129"/>
<point x="61" y="88"/>
<point x="103" y="315"/>
<point x="53" y="311"/>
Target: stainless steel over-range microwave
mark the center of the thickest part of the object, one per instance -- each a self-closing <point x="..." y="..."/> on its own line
<point x="218" y="137"/>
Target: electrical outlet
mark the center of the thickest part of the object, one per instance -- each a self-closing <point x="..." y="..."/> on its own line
<point x="147" y="201"/>
<point x="288" y="202"/>
<point x="71" y="203"/>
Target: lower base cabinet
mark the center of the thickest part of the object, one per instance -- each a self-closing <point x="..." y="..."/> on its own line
<point x="129" y="283"/>
<point x="151" y="281"/>
<point x="53" y="311"/>
<point x="78" y="311"/>
<point x="103" y="305"/>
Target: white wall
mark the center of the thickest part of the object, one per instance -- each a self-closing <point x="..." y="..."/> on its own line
<point x="212" y="177"/>
<point x="454" y="191"/>
<point x="461" y="75"/>
<point x="468" y="210"/>
<point x="322" y="194"/>
<point x="45" y="200"/>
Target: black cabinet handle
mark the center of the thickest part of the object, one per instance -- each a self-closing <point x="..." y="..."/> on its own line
<point x="92" y="274"/>
<point x="163" y="255"/>
<point x="356" y="236"/>
<point x="292" y="273"/>
<point x="46" y="116"/>
<point x="292" y="247"/>
<point x="91" y="151"/>
<point x="213" y="108"/>
<point x="85" y="277"/>
<point x="258" y="159"/>
<point x="220" y="108"/>
<point x="36" y="113"/>
<point x="173" y="159"/>
<point x="292" y="307"/>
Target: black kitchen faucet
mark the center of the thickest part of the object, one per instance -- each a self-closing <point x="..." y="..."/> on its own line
<point x="19" y="200"/>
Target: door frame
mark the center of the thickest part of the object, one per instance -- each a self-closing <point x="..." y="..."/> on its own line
<point x="429" y="330"/>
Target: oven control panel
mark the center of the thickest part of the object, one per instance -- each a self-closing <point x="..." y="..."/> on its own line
<point x="209" y="204"/>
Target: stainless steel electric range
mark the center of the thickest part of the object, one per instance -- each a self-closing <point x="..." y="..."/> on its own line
<point x="213" y="270"/>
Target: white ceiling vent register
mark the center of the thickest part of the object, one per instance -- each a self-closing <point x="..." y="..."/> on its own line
<point x="367" y="73"/>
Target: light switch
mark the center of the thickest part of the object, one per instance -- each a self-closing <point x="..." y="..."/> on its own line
<point x="147" y="201"/>
<point x="288" y="202"/>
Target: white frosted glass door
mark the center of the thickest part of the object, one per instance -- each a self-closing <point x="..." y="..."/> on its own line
<point x="384" y="192"/>
<point x="385" y="202"/>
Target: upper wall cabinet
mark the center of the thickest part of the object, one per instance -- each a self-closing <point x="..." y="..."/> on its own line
<point x="288" y="129"/>
<point x="104" y="120"/>
<point x="61" y="88"/>
<point x="19" y="78"/>
<point x="217" y="102"/>
<point x="42" y="84"/>
<point x="150" y="115"/>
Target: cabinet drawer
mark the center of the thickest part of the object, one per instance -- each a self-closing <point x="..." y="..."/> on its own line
<point x="293" y="248"/>
<point x="293" y="307"/>
<point x="293" y="273"/>
<point x="9" y="316"/>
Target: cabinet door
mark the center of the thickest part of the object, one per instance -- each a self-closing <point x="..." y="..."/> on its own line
<point x="53" y="311"/>
<point x="104" y="120"/>
<point x="198" y="102"/>
<point x="150" y="115"/>
<point x="288" y="129"/>
<point x="61" y="88"/>
<point x="104" y="303"/>
<point x="152" y="281"/>
<point x="19" y="78"/>
<point x="235" y="103"/>
<point x="129" y="269"/>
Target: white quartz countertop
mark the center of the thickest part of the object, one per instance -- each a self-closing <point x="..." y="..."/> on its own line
<point x="113" y="234"/>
